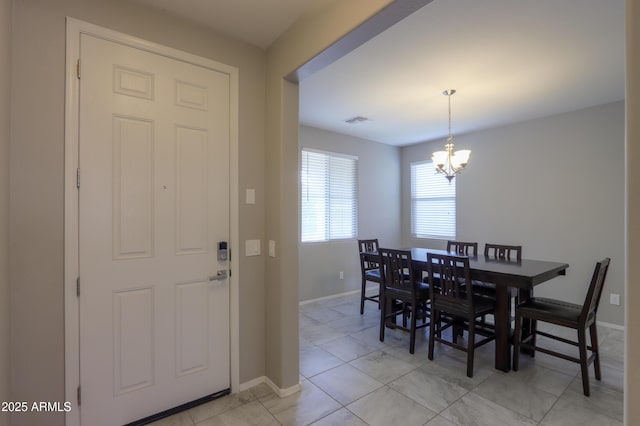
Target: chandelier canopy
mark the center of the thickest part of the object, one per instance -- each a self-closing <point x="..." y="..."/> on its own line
<point x="447" y="162"/>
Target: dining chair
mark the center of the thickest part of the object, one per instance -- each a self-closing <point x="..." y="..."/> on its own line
<point x="466" y="249"/>
<point x="403" y="292"/>
<point x="501" y="251"/>
<point x="509" y="253"/>
<point x="462" y="248"/>
<point x="449" y="295"/>
<point x="497" y="252"/>
<point x="370" y="269"/>
<point x="568" y="315"/>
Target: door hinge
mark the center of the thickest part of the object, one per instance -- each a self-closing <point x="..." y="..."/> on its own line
<point x="78" y="69"/>
<point x="78" y="287"/>
<point x="79" y="398"/>
<point x="78" y="177"/>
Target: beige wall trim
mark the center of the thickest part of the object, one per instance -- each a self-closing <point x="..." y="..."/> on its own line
<point x="251" y="383"/>
<point x="71" y="265"/>
<point x="282" y="393"/>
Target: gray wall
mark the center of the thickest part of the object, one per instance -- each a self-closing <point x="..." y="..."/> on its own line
<point x="5" y="115"/>
<point x="554" y="185"/>
<point x="36" y="191"/>
<point x="378" y="214"/>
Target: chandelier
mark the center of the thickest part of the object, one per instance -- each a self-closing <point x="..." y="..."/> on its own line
<point x="447" y="162"/>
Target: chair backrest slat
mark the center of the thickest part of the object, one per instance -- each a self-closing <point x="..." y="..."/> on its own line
<point x="369" y="256"/>
<point x="449" y="279"/>
<point x="592" y="300"/>
<point x="501" y="251"/>
<point x="396" y="269"/>
<point x="463" y="247"/>
<point x="368" y="246"/>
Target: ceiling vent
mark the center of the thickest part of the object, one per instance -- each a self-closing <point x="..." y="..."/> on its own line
<point x="357" y="120"/>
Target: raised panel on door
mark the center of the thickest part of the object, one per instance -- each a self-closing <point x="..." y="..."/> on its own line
<point x="133" y="181"/>
<point x="192" y="328"/>
<point x="133" y="338"/>
<point x="191" y="186"/>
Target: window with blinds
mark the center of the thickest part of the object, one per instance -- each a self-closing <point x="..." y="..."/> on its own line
<point x="328" y="196"/>
<point x="433" y="203"/>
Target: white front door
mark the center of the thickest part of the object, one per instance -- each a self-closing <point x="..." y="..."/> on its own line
<point x="153" y="206"/>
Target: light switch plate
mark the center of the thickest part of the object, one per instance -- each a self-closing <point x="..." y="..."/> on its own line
<point x="272" y="248"/>
<point x="250" y="196"/>
<point x="252" y="248"/>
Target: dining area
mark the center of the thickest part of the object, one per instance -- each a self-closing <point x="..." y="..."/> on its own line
<point x="456" y="287"/>
<point x="348" y="376"/>
<point x="377" y="380"/>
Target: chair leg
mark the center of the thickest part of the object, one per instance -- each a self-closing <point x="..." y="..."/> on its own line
<point x="404" y="315"/>
<point x="432" y="330"/>
<point x="383" y="317"/>
<point x="483" y="321"/>
<point x="584" y="367"/>
<point x="471" y="347"/>
<point x="594" y="345"/>
<point x="534" y="332"/>
<point x="362" y="294"/>
<point x="412" y="333"/>
<point x="456" y="330"/>
<point x="516" y="341"/>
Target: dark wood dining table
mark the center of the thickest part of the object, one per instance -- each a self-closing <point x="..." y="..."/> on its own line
<point x="522" y="275"/>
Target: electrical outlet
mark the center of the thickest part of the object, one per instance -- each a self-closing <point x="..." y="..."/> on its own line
<point x="614" y="299"/>
<point x="342" y="275"/>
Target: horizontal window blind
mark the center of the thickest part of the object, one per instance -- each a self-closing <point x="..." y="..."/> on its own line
<point x="329" y="202"/>
<point x="433" y="203"/>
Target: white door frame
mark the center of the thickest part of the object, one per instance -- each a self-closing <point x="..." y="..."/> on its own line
<point x="71" y="225"/>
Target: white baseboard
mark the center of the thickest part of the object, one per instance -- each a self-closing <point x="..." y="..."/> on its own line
<point x="251" y="383"/>
<point x="335" y="296"/>
<point x="373" y="287"/>
<point x="282" y="393"/>
<point x="609" y="325"/>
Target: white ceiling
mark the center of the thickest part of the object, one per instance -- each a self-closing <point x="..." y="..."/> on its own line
<point x="509" y="60"/>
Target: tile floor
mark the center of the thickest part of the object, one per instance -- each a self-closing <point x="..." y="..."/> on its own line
<point x="349" y="377"/>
